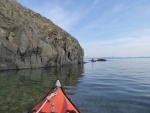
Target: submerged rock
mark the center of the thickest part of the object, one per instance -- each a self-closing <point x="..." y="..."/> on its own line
<point x="28" y="40"/>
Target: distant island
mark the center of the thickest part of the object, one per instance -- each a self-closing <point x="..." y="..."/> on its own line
<point x="101" y="59"/>
<point x="107" y="58"/>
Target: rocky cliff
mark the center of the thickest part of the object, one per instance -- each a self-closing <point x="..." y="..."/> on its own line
<point x="28" y="40"/>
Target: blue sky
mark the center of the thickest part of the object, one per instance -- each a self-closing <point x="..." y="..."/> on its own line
<point x="104" y="28"/>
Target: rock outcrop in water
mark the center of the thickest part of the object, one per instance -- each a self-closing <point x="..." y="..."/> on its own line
<point x="101" y="59"/>
<point x="28" y="40"/>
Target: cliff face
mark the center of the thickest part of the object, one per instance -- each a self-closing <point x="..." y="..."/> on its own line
<point x="28" y="40"/>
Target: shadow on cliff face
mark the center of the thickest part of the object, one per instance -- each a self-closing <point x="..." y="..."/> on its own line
<point x="21" y="89"/>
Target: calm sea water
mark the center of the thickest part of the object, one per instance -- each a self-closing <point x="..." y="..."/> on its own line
<point x="114" y="86"/>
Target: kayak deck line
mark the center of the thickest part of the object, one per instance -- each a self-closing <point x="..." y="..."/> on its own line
<point x="55" y="102"/>
<point x="47" y="99"/>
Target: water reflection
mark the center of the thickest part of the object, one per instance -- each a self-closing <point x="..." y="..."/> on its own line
<point x="21" y="89"/>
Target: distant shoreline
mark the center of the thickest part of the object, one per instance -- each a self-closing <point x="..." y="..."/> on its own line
<point x="114" y="57"/>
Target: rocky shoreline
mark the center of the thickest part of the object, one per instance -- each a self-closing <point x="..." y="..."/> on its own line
<point x="28" y="40"/>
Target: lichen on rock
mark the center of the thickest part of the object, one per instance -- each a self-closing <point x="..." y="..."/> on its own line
<point x="28" y="40"/>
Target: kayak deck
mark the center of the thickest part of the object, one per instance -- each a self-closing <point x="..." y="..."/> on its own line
<point x="55" y="102"/>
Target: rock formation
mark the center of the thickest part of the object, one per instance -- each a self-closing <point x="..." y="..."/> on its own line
<point x="28" y="40"/>
<point x="101" y="59"/>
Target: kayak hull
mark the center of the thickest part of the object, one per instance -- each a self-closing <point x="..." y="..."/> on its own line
<point x="55" y="102"/>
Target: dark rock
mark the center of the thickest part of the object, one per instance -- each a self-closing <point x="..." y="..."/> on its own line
<point x="101" y="59"/>
<point x="92" y="60"/>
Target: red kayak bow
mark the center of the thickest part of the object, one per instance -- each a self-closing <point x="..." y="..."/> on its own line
<point x="55" y="102"/>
